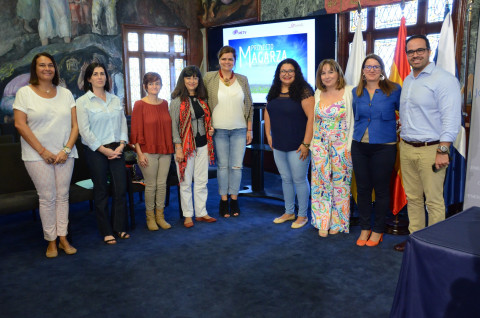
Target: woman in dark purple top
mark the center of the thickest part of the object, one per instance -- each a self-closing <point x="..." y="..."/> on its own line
<point x="288" y="126"/>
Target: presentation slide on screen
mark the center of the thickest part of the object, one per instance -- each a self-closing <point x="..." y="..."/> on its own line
<point x="261" y="47"/>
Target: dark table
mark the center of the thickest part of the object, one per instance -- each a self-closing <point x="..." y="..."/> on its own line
<point x="258" y="147"/>
<point x="440" y="273"/>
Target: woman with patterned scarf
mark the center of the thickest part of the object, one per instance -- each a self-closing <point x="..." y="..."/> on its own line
<point x="192" y="135"/>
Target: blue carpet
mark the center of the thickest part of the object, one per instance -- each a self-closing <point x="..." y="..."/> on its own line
<point x="236" y="267"/>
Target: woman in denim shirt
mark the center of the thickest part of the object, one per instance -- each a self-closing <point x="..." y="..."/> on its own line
<point x="374" y="145"/>
<point x="103" y="127"/>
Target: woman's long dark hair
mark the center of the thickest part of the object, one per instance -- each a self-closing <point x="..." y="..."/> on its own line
<point x="87" y="86"/>
<point x="33" y="69"/>
<point x="182" y="91"/>
<point x="297" y="89"/>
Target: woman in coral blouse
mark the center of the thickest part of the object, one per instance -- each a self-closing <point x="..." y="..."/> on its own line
<point x="152" y="136"/>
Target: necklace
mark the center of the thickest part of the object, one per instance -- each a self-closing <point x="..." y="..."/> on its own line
<point x="226" y="81"/>
<point x="46" y="90"/>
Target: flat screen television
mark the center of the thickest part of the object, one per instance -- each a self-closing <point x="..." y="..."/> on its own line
<point x="261" y="46"/>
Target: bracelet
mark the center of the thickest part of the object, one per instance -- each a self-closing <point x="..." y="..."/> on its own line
<point x="41" y="151"/>
<point x="306" y="145"/>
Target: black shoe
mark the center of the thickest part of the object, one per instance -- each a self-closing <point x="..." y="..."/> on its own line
<point x="223" y="208"/>
<point x="234" y="209"/>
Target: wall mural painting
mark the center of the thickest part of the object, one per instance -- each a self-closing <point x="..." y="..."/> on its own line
<point x="75" y="32"/>
<point x="216" y="12"/>
<point x="78" y="32"/>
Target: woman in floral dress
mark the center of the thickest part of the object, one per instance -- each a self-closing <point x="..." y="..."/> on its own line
<point x="331" y="158"/>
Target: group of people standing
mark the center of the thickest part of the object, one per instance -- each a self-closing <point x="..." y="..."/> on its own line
<point x="50" y="120"/>
<point x="354" y="129"/>
<point x="338" y="129"/>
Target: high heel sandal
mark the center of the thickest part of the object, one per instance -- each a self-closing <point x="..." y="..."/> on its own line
<point x="363" y="242"/>
<point x="323" y="233"/>
<point x="234" y="208"/>
<point x="223" y="208"/>
<point x="123" y="235"/>
<point x="373" y="243"/>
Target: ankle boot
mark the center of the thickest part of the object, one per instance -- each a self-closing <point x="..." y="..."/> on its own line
<point x="160" y="218"/>
<point x="223" y="208"/>
<point x="234" y="208"/>
<point x="152" y="226"/>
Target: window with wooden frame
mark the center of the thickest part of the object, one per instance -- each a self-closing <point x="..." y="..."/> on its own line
<point x="152" y="49"/>
<point x="380" y="27"/>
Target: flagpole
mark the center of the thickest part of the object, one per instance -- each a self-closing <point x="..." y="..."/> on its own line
<point x="467" y="58"/>
<point x="400" y="226"/>
<point x="397" y="225"/>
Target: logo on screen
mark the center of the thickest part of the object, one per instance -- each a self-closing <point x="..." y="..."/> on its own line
<point x="294" y="25"/>
<point x="236" y="32"/>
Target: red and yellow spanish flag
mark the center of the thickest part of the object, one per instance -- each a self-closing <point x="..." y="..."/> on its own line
<point x="400" y="69"/>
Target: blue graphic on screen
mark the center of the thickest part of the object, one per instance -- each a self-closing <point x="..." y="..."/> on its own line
<point x="257" y="58"/>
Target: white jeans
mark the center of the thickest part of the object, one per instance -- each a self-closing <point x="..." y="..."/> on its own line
<point x="52" y="183"/>
<point x="197" y="169"/>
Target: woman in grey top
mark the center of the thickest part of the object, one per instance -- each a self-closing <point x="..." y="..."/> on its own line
<point x="231" y="103"/>
<point x="192" y="135"/>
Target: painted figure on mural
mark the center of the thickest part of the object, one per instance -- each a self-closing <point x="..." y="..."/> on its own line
<point x="54" y="20"/>
<point x="208" y="9"/>
<point x="9" y="94"/>
<point x="116" y="78"/>
<point x="80" y="14"/>
<point x="28" y="10"/>
<point x="98" y="6"/>
<point x="219" y="11"/>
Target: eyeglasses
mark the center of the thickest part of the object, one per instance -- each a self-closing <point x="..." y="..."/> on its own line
<point x="287" y="71"/>
<point x="418" y="51"/>
<point x="372" y="67"/>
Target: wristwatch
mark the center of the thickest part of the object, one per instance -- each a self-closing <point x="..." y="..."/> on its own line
<point x="443" y="149"/>
<point x="67" y="150"/>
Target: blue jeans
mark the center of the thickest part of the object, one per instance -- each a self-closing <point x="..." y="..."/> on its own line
<point x="229" y="150"/>
<point x="293" y="171"/>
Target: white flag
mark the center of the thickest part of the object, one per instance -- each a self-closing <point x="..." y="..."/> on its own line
<point x="446" y="46"/>
<point x="356" y="57"/>
<point x="472" y="197"/>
